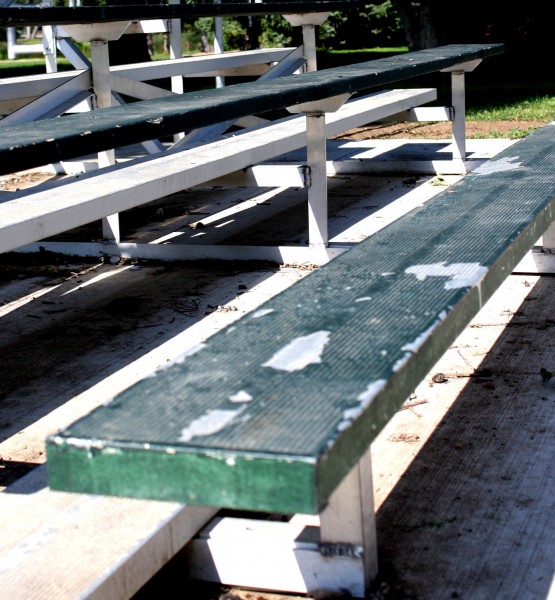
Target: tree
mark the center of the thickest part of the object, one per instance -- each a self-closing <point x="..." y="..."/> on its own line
<point x="417" y="19"/>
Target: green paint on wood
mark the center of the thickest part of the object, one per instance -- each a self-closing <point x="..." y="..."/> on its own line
<point x="63" y="15"/>
<point x="273" y="412"/>
<point x="33" y="144"/>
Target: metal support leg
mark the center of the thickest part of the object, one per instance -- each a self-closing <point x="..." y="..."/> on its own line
<point x="49" y="48"/>
<point x="318" y="188"/>
<point x="316" y="159"/>
<point x="176" y="49"/>
<point x="103" y="99"/>
<point x="548" y="240"/>
<point x="459" y="116"/>
<point x="309" y="43"/>
<point x="348" y="521"/>
<point x="308" y="22"/>
<point x="12" y="42"/>
<point x="459" y="109"/>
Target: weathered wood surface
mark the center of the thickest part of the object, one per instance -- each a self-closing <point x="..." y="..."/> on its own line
<point x="271" y="413"/>
<point x="41" y="142"/>
<point x="15" y="16"/>
<point x="79" y="546"/>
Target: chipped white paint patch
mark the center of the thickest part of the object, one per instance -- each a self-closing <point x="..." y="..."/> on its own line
<point x="417" y="343"/>
<point x="460" y="274"/>
<point x="262" y="312"/>
<point x="211" y="422"/>
<point x="364" y="399"/>
<point x="180" y="359"/>
<point x="80" y="443"/>
<point x="240" y="396"/>
<point x="300" y="352"/>
<point x="413" y="347"/>
<point x="371" y="392"/>
<point x="497" y="166"/>
<point x="363" y="299"/>
<point x="401" y="362"/>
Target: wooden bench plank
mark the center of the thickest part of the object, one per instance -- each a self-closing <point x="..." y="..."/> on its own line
<point x="273" y="412"/>
<point x="30" y="216"/>
<point x="16" y="16"/>
<point x="80" y="546"/>
<point x="33" y="144"/>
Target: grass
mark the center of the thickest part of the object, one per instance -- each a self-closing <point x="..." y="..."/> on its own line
<point x="530" y="108"/>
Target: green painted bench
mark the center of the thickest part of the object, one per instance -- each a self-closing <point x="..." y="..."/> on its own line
<point x="277" y="412"/>
<point x="34" y="144"/>
<point x="34" y="215"/>
<point x="18" y="16"/>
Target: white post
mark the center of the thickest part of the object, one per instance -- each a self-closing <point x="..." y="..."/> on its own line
<point x="318" y="188"/>
<point x="458" y="106"/>
<point x="176" y="49"/>
<point x="309" y="45"/>
<point x="49" y="44"/>
<point x="459" y="116"/>
<point x="349" y="522"/>
<point x="12" y="41"/>
<point x="49" y="48"/>
<point x="548" y="240"/>
<point x="219" y="45"/>
<point x="103" y="99"/>
<point x="309" y="22"/>
<point x="316" y="161"/>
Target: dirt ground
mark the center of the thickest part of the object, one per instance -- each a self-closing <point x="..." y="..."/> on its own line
<point x="181" y="296"/>
<point x="474" y="129"/>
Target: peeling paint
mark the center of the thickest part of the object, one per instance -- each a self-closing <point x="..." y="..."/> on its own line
<point x="240" y="396"/>
<point x="351" y="414"/>
<point x="364" y="399"/>
<point x="498" y="165"/>
<point x="180" y="359"/>
<point x="401" y="362"/>
<point x="211" y="422"/>
<point x="300" y="352"/>
<point x="80" y="443"/>
<point x="417" y="343"/>
<point x="371" y="391"/>
<point x="116" y="451"/>
<point x="460" y="274"/>
<point x="262" y="312"/>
